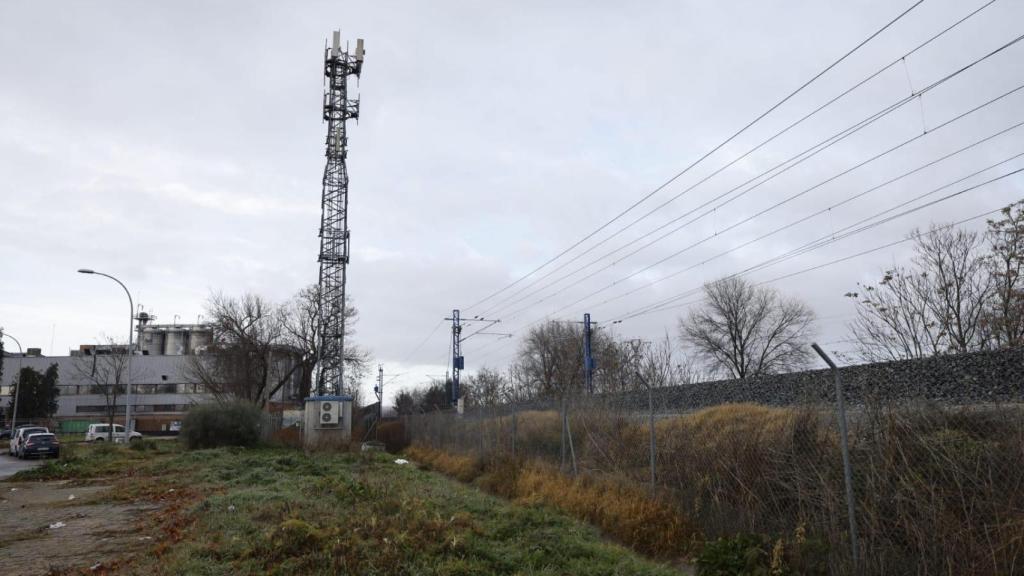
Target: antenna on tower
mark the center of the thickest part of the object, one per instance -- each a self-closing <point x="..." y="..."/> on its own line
<point x="338" y="108"/>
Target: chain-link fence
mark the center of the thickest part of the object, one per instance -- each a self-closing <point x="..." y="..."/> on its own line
<point x="935" y="457"/>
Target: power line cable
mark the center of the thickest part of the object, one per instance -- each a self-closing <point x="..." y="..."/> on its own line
<point x="672" y="302"/>
<point x="901" y="59"/>
<point x="917" y="94"/>
<point x="777" y="204"/>
<point x="818" y="243"/>
<point x="702" y="158"/>
<point x="422" y="342"/>
<point x="832" y="235"/>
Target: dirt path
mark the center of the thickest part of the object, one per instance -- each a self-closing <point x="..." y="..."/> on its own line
<point x="51" y="527"/>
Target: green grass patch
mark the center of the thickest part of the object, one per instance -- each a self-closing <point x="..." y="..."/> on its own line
<point x="279" y="511"/>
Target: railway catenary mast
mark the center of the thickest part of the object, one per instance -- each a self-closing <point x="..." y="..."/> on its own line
<point x="334" y="234"/>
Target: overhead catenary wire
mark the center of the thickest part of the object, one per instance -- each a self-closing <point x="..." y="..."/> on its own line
<point x="701" y="158"/>
<point x="931" y="86"/>
<point x="813" y="267"/>
<point x="823" y="241"/>
<point x="832" y="235"/>
<point x="784" y="201"/>
<point x="798" y="159"/>
<point x="673" y="302"/>
<point x="901" y="59"/>
<point x="422" y="342"/>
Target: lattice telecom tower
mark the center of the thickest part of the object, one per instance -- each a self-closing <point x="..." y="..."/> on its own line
<point x="334" y="234"/>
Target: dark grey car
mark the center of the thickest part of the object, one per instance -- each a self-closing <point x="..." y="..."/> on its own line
<point x="41" y="446"/>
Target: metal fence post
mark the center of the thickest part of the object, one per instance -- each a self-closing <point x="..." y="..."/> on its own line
<point x="653" y="437"/>
<point x="568" y="436"/>
<point x="845" y="448"/>
<point x="561" y="467"/>
<point x="514" y="426"/>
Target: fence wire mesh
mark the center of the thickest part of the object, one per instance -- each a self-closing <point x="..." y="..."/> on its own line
<point x="936" y="450"/>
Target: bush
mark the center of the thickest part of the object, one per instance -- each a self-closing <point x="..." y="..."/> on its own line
<point x="142" y="445"/>
<point x="229" y="424"/>
<point x="758" y="555"/>
<point x="394" y="436"/>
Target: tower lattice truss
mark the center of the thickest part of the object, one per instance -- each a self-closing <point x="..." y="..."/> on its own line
<point x="338" y="108"/>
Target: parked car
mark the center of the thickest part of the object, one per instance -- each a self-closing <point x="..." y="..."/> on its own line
<point x="40" y="445"/>
<point x="5" y="434"/>
<point x="20" y="434"/>
<point x="101" y="433"/>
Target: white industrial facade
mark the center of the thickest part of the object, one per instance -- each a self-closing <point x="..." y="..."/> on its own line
<point x="162" y="392"/>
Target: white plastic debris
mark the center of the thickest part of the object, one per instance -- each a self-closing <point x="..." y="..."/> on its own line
<point x="170" y="490"/>
<point x="56" y="525"/>
<point x="71" y="497"/>
<point x="231" y="508"/>
<point x="14" y="489"/>
<point x="96" y="566"/>
<point x="401" y="461"/>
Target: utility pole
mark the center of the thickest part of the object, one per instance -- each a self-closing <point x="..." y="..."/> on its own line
<point x="379" y="390"/>
<point x="334" y="234"/>
<point x="458" y="362"/>
<point x="588" y="357"/>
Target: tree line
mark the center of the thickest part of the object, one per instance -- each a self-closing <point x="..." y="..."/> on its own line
<point x="259" y="349"/>
<point x="960" y="292"/>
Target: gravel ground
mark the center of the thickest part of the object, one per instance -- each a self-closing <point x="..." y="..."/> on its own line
<point x="47" y="527"/>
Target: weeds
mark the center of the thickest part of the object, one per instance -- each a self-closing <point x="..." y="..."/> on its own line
<point x="278" y="511"/>
<point x="938" y="490"/>
<point x="624" y="512"/>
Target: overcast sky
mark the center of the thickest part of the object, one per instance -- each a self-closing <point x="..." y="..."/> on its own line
<point x="179" y="146"/>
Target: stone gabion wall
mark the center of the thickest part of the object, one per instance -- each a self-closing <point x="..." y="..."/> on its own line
<point x="963" y="379"/>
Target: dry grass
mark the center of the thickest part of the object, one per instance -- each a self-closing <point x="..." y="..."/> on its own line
<point x="938" y="489"/>
<point x="619" y="509"/>
<point x="464" y="468"/>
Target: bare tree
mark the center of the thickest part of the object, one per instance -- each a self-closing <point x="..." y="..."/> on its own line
<point x="300" y="325"/>
<point x="106" y="375"/>
<point x="405" y="403"/>
<point x="487" y="387"/>
<point x="259" y="348"/>
<point x="247" y="358"/>
<point x="1004" y="317"/>
<point x="747" y="330"/>
<point x="551" y="357"/>
<point x="934" y="306"/>
<point x="894" y="320"/>
<point x="656" y="365"/>
<point x="958" y="283"/>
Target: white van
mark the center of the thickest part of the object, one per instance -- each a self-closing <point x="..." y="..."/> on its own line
<point x="101" y="433"/>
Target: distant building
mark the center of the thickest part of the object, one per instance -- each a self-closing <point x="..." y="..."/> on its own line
<point x="174" y="339"/>
<point x="161" y="387"/>
<point x="161" y="391"/>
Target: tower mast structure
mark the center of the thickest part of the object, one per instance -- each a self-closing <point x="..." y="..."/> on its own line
<point x="458" y="362"/>
<point x="338" y="108"/>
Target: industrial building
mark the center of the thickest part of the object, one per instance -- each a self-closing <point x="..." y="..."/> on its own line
<point x="162" y="390"/>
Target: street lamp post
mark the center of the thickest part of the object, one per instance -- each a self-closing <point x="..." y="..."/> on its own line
<point x="17" y="391"/>
<point x="128" y="376"/>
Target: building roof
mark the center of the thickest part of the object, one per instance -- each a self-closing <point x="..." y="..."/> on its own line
<point x="74" y="370"/>
<point x="330" y="398"/>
